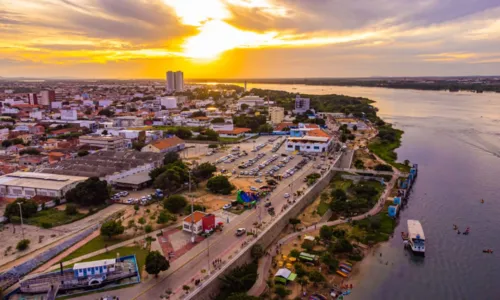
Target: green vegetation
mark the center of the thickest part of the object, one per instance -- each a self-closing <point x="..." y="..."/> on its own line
<point x="97" y="243"/>
<point x="239" y="280"/>
<point x="220" y="185"/>
<point x="388" y="140"/>
<point x="29" y="151"/>
<point x="155" y="263"/>
<point x="250" y="121"/>
<point x="175" y="203"/>
<point x="204" y="171"/>
<point x="52" y="217"/>
<point x="350" y="199"/>
<point x="23" y="245"/>
<point x="92" y="191"/>
<point x="257" y="251"/>
<point x="29" y="209"/>
<point x="112" y="228"/>
<point x="374" y="229"/>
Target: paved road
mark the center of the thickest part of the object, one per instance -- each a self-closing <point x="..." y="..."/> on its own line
<point x="221" y="245"/>
<point x="346" y="160"/>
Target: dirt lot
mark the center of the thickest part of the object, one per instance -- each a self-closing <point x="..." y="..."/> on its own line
<point x="368" y="160"/>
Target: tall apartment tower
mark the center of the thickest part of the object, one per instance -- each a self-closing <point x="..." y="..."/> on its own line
<point x="175" y="81"/>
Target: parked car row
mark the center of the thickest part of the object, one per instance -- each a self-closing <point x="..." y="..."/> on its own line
<point x="280" y="165"/>
<point x="291" y="171"/>
<point x="252" y="161"/>
<point x="258" y="147"/>
<point x="267" y="162"/>
<point x="116" y="197"/>
<point x="277" y="146"/>
<point x="231" y="157"/>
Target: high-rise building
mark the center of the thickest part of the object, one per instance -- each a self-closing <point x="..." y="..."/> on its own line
<point x="175" y="81"/>
<point x="47" y="97"/>
<point x="301" y="104"/>
<point x="277" y="114"/>
<point x="33" y="98"/>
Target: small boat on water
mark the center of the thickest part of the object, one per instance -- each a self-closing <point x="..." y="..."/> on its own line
<point x="488" y="251"/>
<point x="416" y="237"/>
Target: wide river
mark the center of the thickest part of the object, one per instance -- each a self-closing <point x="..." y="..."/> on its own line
<point x="455" y="139"/>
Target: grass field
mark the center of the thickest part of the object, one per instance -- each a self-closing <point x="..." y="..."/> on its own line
<point x="140" y="255"/>
<point x="54" y="217"/>
<point x="386" y="151"/>
<point x="322" y="208"/>
<point x="95" y="244"/>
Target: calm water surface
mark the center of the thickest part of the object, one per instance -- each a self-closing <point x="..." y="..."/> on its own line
<point x="455" y="139"/>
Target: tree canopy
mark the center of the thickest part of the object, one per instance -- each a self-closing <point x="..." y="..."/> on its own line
<point x="155" y="263"/>
<point x="204" y="170"/>
<point x="29" y="208"/>
<point x="220" y="185"/>
<point x="175" y="203"/>
<point x="112" y="228"/>
<point x="90" y="192"/>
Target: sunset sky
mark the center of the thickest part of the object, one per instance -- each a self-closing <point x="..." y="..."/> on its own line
<point x="248" y="38"/>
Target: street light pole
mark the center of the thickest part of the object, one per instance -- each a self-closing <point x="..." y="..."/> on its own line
<point x="21" y="214"/>
<point x="192" y="203"/>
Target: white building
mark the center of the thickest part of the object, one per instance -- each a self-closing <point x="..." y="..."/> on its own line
<point x="276" y="114"/>
<point x="302" y="104"/>
<point x="251" y="101"/>
<point x="203" y="103"/>
<point x="226" y="126"/>
<point x="309" y="138"/>
<point x="28" y="184"/>
<point x="175" y="81"/>
<point x="168" y="102"/>
<point x="37" y="115"/>
<point x="46" y="97"/>
<point x="69" y="115"/>
<point x="128" y="121"/>
<point x="105" y="103"/>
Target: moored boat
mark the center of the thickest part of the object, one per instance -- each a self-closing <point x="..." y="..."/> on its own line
<point x="416" y="237"/>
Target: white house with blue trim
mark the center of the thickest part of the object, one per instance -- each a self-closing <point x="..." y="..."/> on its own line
<point x="94" y="268"/>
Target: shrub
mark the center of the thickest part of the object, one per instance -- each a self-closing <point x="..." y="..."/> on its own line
<point x="148" y="228"/>
<point x="46" y="225"/>
<point x="111" y="228"/>
<point x="71" y="209"/>
<point x="23" y="245"/>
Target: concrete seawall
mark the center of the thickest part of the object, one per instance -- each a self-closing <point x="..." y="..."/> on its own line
<point x="211" y="288"/>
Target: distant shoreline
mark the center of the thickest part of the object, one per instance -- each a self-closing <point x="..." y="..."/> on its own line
<point x="451" y="86"/>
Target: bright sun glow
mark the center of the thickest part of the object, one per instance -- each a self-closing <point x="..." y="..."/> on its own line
<point x="216" y="37"/>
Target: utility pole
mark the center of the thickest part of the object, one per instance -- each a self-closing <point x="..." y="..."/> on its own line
<point x="192" y="204"/>
<point x="21" y="214"/>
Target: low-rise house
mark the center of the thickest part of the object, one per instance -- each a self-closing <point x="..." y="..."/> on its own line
<point x="165" y="145"/>
<point x="235" y="133"/>
<point x="33" y="160"/>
